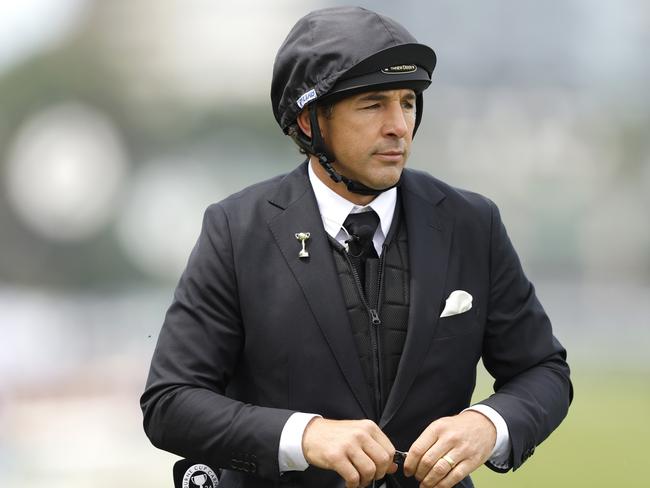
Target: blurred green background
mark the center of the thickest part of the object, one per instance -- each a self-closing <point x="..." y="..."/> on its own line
<point x="602" y="442"/>
<point x="121" y="121"/>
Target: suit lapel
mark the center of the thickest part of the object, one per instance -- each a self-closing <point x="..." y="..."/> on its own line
<point x="429" y="238"/>
<point x="317" y="275"/>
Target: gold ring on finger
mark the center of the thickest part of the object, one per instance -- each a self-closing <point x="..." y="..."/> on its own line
<point x="450" y="460"/>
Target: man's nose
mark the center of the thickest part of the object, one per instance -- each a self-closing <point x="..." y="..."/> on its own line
<point x="396" y="122"/>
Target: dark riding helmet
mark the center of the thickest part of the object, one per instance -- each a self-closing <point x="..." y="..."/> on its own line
<point x="337" y="52"/>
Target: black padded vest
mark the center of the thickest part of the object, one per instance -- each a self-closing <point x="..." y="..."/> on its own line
<point x="379" y="314"/>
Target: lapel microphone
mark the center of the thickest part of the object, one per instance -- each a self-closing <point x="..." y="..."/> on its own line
<point x="364" y="232"/>
<point x="360" y="228"/>
<point x="357" y="241"/>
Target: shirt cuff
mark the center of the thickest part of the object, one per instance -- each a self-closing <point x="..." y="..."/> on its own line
<point x="500" y="456"/>
<point x="290" y="456"/>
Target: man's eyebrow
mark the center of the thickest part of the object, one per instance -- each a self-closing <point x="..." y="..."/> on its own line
<point x="375" y="97"/>
<point x="378" y="97"/>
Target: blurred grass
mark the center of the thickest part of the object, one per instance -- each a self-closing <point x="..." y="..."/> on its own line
<point x="603" y="442"/>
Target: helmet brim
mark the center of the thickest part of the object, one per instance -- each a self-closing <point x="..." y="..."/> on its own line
<point x="404" y="66"/>
<point x="417" y="80"/>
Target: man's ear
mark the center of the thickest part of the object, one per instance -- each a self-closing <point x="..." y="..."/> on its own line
<point x="304" y="123"/>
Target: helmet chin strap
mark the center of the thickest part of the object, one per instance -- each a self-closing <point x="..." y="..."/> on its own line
<point x="326" y="159"/>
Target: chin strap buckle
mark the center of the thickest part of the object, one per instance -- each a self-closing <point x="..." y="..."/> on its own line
<point x="324" y="161"/>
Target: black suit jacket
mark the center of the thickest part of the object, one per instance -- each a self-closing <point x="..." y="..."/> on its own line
<point x="255" y="333"/>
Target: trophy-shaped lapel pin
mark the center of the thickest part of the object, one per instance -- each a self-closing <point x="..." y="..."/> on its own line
<point x="302" y="237"/>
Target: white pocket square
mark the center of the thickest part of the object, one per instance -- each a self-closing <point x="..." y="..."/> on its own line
<point x="458" y="302"/>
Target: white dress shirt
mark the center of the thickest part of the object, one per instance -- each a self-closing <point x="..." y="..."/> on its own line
<point x="334" y="209"/>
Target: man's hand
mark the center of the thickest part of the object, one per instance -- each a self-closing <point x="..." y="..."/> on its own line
<point x="356" y="449"/>
<point x="466" y="440"/>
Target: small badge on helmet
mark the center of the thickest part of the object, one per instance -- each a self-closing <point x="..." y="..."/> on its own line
<point x="400" y="69"/>
<point x="306" y="98"/>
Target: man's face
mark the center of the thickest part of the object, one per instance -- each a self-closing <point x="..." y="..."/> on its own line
<point x="370" y="135"/>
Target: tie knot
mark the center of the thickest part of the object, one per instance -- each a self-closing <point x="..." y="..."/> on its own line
<point x="361" y="227"/>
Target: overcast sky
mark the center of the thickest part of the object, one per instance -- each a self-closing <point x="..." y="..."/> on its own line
<point x="29" y="26"/>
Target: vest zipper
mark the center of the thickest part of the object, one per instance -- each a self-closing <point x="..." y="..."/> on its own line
<point x="375" y="322"/>
<point x="374" y="317"/>
<point x="380" y="288"/>
<point x="377" y="346"/>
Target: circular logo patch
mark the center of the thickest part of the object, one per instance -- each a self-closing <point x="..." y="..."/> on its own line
<point x="200" y="476"/>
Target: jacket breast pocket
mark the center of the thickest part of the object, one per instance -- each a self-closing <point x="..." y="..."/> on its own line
<point x="458" y="325"/>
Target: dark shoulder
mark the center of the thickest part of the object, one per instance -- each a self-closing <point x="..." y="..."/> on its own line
<point x="260" y="202"/>
<point x="261" y="190"/>
<point x="473" y="214"/>
<point x="457" y="201"/>
<point x="250" y="196"/>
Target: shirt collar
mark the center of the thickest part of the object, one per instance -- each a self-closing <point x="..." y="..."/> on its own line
<point x="334" y="209"/>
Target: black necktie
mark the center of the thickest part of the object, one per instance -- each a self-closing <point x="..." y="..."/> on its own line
<point x="361" y="227"/>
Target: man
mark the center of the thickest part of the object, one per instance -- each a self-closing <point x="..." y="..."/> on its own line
<point x="335" y="315"/>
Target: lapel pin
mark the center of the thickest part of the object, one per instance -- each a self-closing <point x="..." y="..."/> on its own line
<point x="302" y="237"/>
